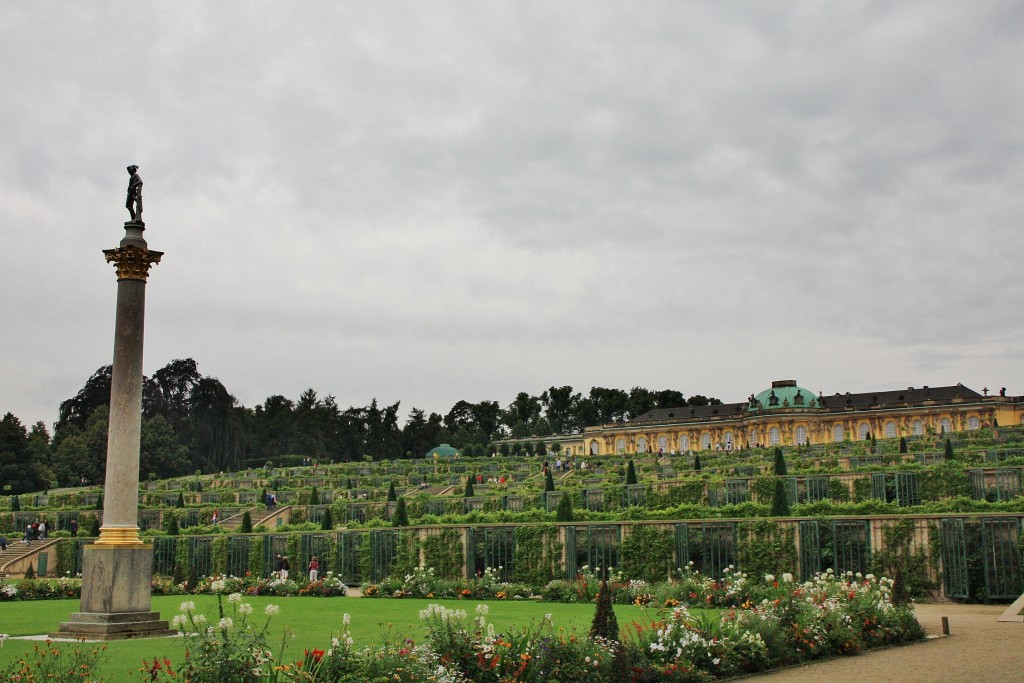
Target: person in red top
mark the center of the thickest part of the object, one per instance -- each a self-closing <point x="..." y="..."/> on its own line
<point x="314" y="569"/>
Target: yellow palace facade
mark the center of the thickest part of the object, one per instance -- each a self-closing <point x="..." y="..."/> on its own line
<point x="787" y="414"/>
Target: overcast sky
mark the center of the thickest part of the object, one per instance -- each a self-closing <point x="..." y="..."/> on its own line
<point x="430" y="202"/>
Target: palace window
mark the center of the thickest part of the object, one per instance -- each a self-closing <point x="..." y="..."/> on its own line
<point x="945" y="426"/>
<point x="838" y="434"/>
<point x="753" y="438"/>
<point x="890" y="430"/>
<point x="863" y="431"/>
<point x="801" y="435"/>
<point x="773" y="436"/>
<point x="973" y="423"/>
<point x="662" y="444"/>
<point x="684" y="443"/>
<point x="705" y="441"/>
<point x="917" y="428"/>
<point x="620" y="445"/>
<point x="727" y="438"/>
<point x="641" y="445"/>
<point x="594" y="448"/>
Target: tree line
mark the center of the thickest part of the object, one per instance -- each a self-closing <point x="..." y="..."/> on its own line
<point x="192" y="422"/>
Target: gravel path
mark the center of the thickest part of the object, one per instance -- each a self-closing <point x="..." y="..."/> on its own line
<point x="979" y="650"/>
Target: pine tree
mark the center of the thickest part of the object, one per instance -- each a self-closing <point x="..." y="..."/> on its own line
<point x="327" y="521"/>
<point x="605" y="625"/>
<point x="780" y="463"/>
<point x="948" y="455"/>
<point x="468" y="493"/>
<point x="246" y="526"/>
<point x="630" y="474"/>
<point x="549" y="481"/>
<point x="314" y="497"/>
<point x="564" y="511"/>
<point x="401" y="516"/>
<point x="181" y="500"/>
<point x="393" y="495"/>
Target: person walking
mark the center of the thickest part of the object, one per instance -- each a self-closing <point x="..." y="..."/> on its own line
<point x="314" y="569"/>
<point x="285" y="568"/>
<point x="74" y="528"/>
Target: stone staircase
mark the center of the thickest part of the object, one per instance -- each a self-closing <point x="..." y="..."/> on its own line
<point x="13" y="559"/>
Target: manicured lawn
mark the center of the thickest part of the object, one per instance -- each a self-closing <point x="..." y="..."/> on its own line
<point x="313" y="620"/>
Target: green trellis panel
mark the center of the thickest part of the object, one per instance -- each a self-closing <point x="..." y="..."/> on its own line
<point x="471" y="550"/>
<point x="383" y="553"/>
<point x="792" y="490"/>
<point x="345" y="558"/>
<point x="499" y="546"/>
<point x="273" y="545"/>
<point x="682" y="539"/>
<point x="551" y="499"/>
<point x="1007" y="484"/>
<point x="201" y="555"/>
<point x="851" y="546"/>
<point x="908" y="488"/>
<point x="634" y="495"/>
<point x="238" y="555"/>
<point x="1000" y="537"/>
<point x="597" y="545"/>
<point x="163" y="554"/>
<point x="977" y="479"/>
<point x="878" y="486"/>
<point x="310" y="545"/>
<point x="810" y="549"/>
<point x="736" y="491"/>
<point x="955" y="582"/>
<point x="569" y="534"/>
<point x="816" y="489"/>
<point x="719" y="545"/>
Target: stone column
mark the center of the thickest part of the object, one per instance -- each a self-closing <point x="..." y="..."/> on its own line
<point x="116" y="570"/>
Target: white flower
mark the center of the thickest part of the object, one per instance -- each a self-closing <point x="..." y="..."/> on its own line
<point x="271" y="610"/>
<point x="346" y="619"/>
<point x="225" y="623"/>
<point x="245" y="608"/>
<point x="769" y="578"/>
<point x="715" y="661"/>
<point x="199" y="618"/>
<point x="235" y="597"/>
<point x="179" y="621"/>
<point x="187" y="606"/>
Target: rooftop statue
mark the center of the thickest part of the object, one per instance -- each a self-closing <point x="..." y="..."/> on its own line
<point x="134" y="201"/>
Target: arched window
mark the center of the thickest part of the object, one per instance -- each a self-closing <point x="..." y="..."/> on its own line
<point x="620" y="445"/>
<point x="662" y="444"/>
<point x="801" y="435"/>
<point x="641" y="445"/>
<point x="945" y="426"/>
<point x="753" y="438"/>
<point x="837" y="433"/>
<point x="684" y="443"/>
<point x="973" y="423"/>
<point x="890" y="430"/>
<point x="917" y="428"/>
<point x="705" y="441"/>
<point x="863" y="431"/>
<point x="594" y="448"/>
<point x="773" y="436"/>
<point x="727" y="438"/>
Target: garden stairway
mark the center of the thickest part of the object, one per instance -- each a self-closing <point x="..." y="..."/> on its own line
<point x="17" y="552"/>
<point x="233" y="522"/>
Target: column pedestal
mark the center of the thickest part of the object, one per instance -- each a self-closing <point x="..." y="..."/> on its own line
<point x="115" y="597"/>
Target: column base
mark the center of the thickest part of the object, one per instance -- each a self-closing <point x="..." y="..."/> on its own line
<point x="116" y="596"/>
<point x="114" y="626"/>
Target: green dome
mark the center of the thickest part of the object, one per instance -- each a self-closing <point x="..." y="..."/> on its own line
<point x="444" y="451"/>
<point x="784" y="394"/>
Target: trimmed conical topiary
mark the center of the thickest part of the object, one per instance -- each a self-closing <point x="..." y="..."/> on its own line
<point x="605" y="624"/>
<point x="696" y="463"/>
<point x="246" y="526"/>
<point x="780" y="499"/>
<point x="549" y="481"/>
<point x="181" y="500"/>
<point x="903" y="444"/>
<point x="327" y="520"/>
<point x="780" y="463"/>
<point x="564" y="511"/>
<point x="392" y="494"/>
<point x="15" y="504"/>
<point x="630" y="473"/>
<point x="948" y="453"/>
<point x="314" y="497"/>
<point x="99" y="502"/>
<point x="468" y="493"/>
<point x="171" y="523"/>
<point x="401" y="516"/>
